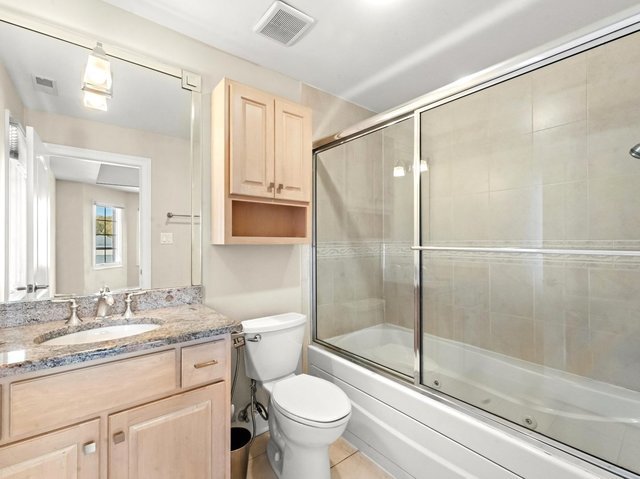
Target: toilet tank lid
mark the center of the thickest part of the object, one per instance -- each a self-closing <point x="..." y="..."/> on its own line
<point x="273" y="323"/>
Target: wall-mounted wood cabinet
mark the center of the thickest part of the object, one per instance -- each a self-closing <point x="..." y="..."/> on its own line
<point x="261" y="167"/>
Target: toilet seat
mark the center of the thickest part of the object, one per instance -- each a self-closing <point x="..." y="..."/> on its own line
<point x="312" y="401"/>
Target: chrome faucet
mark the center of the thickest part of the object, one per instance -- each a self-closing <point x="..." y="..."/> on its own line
<point x="105" y="301"/>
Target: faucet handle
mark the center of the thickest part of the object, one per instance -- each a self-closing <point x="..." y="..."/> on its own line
<point x="128" y="313"/>
<point x="131" y="294"/>
<point x="73" y="319"/>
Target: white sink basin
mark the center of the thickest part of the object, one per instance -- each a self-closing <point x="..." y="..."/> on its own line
<point x="105" y="333"/>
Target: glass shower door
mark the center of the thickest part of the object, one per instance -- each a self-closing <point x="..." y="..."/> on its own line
<point x="531" y="241"/>
<point x="364" y="262"/>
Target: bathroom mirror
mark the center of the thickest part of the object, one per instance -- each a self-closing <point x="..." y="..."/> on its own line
<point x="86" y="192"/>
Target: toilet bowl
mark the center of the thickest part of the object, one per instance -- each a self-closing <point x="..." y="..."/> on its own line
<point x="306" y="413"/>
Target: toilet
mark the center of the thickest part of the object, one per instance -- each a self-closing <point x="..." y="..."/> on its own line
<point x="306" y="413"/>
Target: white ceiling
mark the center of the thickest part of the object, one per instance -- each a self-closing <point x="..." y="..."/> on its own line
<point x="98" y="173"/>
<point x="143" y="99"/>
<point x="381" y="53"/>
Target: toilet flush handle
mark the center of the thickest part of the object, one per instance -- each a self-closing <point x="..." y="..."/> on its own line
<point x="256" y="339"/>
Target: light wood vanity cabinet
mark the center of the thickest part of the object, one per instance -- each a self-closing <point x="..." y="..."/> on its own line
<point x="153" y="415"/>
<point x="261" y="167"/>
<point x="71" y="453"/>
<point x="171" y="438"/>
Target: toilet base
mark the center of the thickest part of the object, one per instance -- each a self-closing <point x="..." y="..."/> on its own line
<point x="291" y="462"/>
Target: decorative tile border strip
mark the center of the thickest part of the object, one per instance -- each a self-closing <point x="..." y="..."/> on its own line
<point x="28" y="312"/>
<point x="402" y="249"/>
<point x="573" y="260"/>
<point x="349" y="249"/>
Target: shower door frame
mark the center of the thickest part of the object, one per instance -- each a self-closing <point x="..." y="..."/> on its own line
<point x="412" y="110"/>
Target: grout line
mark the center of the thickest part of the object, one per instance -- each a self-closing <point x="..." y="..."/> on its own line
<point x="350" y="455"/>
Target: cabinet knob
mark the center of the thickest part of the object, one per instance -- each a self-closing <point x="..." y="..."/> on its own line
<point x="280" y="186"/>
<point x="89" y="448"/>
<point x="118" y="437"/>
<point x="270" y="187"/>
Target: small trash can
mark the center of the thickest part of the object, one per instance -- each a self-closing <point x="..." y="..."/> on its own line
<point x="240" y="441"/>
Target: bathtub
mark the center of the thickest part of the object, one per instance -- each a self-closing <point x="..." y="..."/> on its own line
<point x="419" y="435"/>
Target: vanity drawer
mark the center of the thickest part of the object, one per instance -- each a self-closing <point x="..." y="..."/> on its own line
<point x="204" y="363"/>
<point x="59" y="399"/>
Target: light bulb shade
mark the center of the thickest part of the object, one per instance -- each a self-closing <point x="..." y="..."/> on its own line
<point x="95" y="101"/>
<point x="398" y="171"/>
<point x="97" y="74"/>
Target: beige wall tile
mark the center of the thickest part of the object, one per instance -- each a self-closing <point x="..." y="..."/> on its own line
<point x="470" y="117"/>
<point x="550" y="344"/>
<point x="560" y="93"/>
<point x="619" y="317"/>
<point x="470" y="215"/>
<point x="613" y="208"/>
<point x="565" y="214"/>
<point x="512" y="289"/>
<point x="616" y="358"/>
<point x="511" y="163"/>
<point x="560" y="153"/>
<point x="470" y="162"/>
<point x="509" y="110"/>
<point x="439" y="175"/>
<point x="438" y="224"/>
<point x="516" y="214"/>
<point x="617" y="284"/>
<point x="612" y="74"/>
<point x="513" y="336"/>
<point x="579" y="359"/>
<point x="471" y="285"/>
<point x="475" y="325"/>
<point x="610" y="136"/>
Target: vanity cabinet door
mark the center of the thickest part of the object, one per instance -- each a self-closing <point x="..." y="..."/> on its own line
<point x="184" y="436"/>
<point x="71" y="453"/>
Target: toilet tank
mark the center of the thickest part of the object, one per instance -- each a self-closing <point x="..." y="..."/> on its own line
<point x="278" y="350"/>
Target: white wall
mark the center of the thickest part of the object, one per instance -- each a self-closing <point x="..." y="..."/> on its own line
<point x="74" y="241"/>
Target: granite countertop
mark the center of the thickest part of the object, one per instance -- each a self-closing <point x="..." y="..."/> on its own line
<point x="20" y="352"/>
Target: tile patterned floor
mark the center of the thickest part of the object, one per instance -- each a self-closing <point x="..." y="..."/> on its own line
<point x="346" y="462"/>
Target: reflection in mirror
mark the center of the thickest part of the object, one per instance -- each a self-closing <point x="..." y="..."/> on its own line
<point x="94" y="152"/>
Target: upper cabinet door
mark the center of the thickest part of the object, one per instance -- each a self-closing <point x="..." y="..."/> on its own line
<point x="293" y="151"/>
<point x="251" y="146"/>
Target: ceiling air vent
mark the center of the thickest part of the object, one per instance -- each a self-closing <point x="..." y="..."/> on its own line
<point x="45" y="85"/>
<point x="283" y="23"/>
